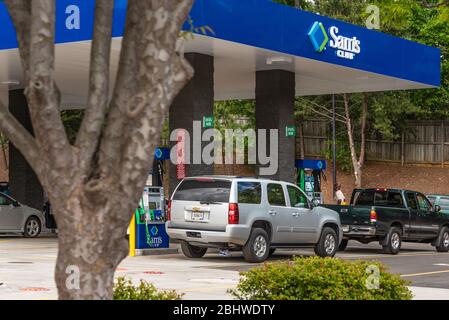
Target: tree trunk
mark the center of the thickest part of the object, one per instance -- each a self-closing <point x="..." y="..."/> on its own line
<point x="356" y="165"/>
<point x="91" y="246"/>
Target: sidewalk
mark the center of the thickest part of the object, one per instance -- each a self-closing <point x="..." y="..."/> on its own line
<point x="421" y="293"/>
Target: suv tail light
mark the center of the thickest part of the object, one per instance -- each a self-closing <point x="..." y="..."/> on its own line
<point x="373" y="216"/>
<point x="233" y="213"/>
<point x="169" y="210"/>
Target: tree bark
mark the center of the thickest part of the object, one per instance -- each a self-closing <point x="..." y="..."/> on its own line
<point x="92" y="243"/>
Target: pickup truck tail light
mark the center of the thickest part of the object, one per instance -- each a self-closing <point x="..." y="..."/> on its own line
<point x="233" y="213"/>
<point x="169" y="210"/>
<point x="373" y="216"/>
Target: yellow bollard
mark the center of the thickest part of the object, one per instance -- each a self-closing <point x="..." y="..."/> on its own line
<point x="132" y="237"/>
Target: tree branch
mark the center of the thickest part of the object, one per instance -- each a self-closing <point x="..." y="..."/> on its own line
<point x="20" y="13"/>
<point x="125" y="85"/>
<point x="328" y="111"/>
<point x="43" y="95"/>
<point x="157" y="74"/>
<point x="90" y="130"/>
<point x="162" y="74"/>
<point x="20" y="137"/>
<point x="426" y="4"/>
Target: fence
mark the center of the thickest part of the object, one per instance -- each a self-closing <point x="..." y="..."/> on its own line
<point x="424" y="142"/>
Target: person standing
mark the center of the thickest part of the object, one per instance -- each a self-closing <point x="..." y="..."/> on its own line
<point x="339" y="196"/>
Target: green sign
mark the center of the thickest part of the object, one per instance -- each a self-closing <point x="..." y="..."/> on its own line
<point x="208" y="122"/>
<point x="290" y="131"/>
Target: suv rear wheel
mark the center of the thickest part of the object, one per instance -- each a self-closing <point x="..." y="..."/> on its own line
<point x="443" y="243"/>
<point x="327" y="246"/>
<point x="192" y="251"/>
<point x="393" y="242"/>
<point x="257" y="248"/>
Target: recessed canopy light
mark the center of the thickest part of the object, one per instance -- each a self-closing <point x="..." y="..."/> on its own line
<point x="279" y="59"/>
<point x="10" y="82"/>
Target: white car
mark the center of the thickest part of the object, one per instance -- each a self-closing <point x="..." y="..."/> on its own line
<point x="18" y="218"/>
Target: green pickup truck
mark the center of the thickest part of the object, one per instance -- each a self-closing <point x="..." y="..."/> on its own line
<point x="391" y="216"/>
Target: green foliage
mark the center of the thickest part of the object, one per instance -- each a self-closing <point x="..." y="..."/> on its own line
<point x="72" y="122"/>
<point x="343" y="154"/>
<point x="125" y="290"/>
<point x="316" y="278"/>
<point x="204" y="30"/>
<point x="3" y="140"/>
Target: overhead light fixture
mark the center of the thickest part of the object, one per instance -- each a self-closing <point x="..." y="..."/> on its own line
<point x="279" y="59"/>
<point x="10" y="82"/>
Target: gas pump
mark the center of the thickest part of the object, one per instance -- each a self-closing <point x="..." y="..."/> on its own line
<point x="309" y="176"/>
<point x="148" y="226"/>
<point x="150" y="220"/>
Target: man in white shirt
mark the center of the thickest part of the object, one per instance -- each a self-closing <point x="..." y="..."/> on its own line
<point x="339" y="196"/>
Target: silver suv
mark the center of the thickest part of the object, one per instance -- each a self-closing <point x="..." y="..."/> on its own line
<point x="249" y="214"/>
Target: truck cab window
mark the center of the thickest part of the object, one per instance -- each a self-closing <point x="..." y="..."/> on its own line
<point x="423" y="203"/>
<point x="394" y="199"/>
<point x="365" y="198"/>
<point x="411" y="200"/>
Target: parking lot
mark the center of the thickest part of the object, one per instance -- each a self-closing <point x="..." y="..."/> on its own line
<point x="26" y="269"/>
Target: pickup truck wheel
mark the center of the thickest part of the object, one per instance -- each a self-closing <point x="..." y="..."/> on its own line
<point x="257" y="248"/>
<point x="193" y="252"/>
<point x="393" y="241"/>
<point x="327" y="246"/>
<point x="443" y="243"/>
<point x="343" y="245"/>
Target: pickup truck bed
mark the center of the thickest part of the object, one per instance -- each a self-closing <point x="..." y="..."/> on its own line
<point x="391" y="216"/>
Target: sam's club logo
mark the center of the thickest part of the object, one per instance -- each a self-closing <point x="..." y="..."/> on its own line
<point x="318" y="37"/>
<point x="154" y="231"/>
<point x="346" y="48"/>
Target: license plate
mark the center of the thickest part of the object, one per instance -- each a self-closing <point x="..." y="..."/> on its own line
<point x="198" y="216"/>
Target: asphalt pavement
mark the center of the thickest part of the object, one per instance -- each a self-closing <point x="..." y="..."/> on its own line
<point x="27" y="269"/>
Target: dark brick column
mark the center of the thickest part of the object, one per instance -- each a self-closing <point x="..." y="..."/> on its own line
<point x="275" y="99"/>
<point x="23" y="183"/>
<point x="194" y="102"/>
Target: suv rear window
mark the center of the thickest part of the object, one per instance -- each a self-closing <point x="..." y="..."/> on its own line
<point x="249" y="192"/>
<point x="203" y="190"/>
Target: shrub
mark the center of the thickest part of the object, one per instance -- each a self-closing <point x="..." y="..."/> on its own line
<point x="317" y="278"/>
<point x="125" y="290"/>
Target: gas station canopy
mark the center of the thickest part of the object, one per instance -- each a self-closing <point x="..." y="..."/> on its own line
<point x="326" y="55"/>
